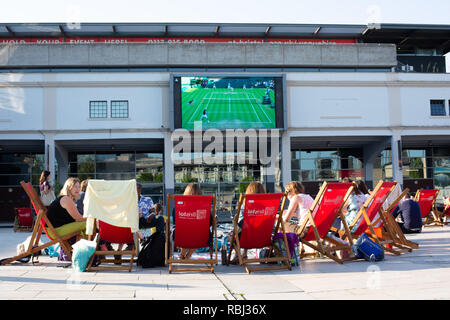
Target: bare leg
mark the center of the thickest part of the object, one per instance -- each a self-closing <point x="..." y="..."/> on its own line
<point x="183" y="253"/>
<point x="190" y="252"/>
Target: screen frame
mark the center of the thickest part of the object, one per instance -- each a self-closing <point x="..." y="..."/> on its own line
<point x="280" y="94"/>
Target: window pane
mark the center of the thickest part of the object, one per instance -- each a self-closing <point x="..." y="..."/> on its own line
<point x="119" y="109"/>
<point x="98" y="109"/>
<point x="437" y="107"/>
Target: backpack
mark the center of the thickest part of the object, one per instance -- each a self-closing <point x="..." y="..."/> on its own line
<point x="153" y="251"/>
<point x="368" y="249"/>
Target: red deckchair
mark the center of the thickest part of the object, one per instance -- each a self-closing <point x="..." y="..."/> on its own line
<point x="427" y="203"/>
<point x="116" y="235"/>
<point x="259" y="217"/>
<point x="194" y="214"/>
<point x="327" y="207"/>
<point x="23" y="220"/>
<point x="43" y="225"/>
<point x="369" y="210"/>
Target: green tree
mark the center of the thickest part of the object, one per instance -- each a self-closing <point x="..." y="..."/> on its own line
<point x="417" y="165"/>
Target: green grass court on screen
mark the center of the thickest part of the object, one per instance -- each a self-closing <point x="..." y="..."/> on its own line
<point x="238" y="108"/>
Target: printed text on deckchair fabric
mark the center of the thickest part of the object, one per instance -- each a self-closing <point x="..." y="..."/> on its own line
<point x="375" y="205"/>
<point x="328" y="208"/>
<point x="192" y="220"/>
<point x="259" y="218"/>
<point x="426" y="198"/>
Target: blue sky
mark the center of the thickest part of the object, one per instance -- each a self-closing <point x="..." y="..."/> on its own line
<point x="223" y="11"/>
<point x="251" y="11"/>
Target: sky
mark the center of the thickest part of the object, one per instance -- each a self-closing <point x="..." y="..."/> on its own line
<point x="229" y="11"/>
<point x="242" y="11"/>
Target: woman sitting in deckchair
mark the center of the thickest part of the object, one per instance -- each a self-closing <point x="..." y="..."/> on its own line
<point x="299" y="203"/>
<point x="192" y="189"/>
<point x="354" y="203"/>
<point x="63" y="213"/>
<point x="252" y="188"/>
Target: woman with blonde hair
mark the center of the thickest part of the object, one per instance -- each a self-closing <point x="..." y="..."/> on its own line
<point x="63" y="213"/>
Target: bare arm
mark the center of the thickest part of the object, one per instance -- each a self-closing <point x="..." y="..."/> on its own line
<point x="71" y="208"/>
<point x="290" y="212"/>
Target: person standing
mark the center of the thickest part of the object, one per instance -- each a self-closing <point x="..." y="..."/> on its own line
<point x="80" y="202"/>
<point x="146" y="207"/>
<point x="45" y="188"/>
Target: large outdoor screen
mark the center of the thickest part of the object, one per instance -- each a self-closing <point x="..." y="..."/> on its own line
<point x="228" y="102"/>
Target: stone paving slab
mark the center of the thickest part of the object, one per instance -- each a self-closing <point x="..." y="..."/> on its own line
<point x="423" y="274"/>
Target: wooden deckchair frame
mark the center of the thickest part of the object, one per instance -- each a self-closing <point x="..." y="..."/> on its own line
<point x="104" y="253"/>
<point x="443" y="214"/>
<point x="392" y="230"/>
<point x="434" y="212"/>
<point x="363" y="212"/>
<point x="245" y="261"/>
<point x="170" y="260"/>
<point x="322" y="245"/>
<point x="38" y="229"/>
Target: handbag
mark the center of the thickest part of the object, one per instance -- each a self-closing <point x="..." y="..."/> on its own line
<point x="47" y="198"/>
<point x="368" y="249"/>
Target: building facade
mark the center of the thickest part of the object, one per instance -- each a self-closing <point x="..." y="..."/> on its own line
<point x="105" y="111"/>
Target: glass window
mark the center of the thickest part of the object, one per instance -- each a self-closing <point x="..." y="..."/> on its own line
<point x="437" y="107"/>
<point x="98" y="109"/>
<point x="119" y="109"/>
<point x="17" y="167"/>
<point x="146" y="168"/>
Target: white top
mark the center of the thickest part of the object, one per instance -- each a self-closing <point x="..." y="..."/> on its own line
<point x="304" y="202"/>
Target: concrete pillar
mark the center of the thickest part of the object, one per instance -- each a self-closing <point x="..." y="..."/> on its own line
<point x="396" y="153"/>
<point x="370" y="153"/>
<point x="62" y="156"/>
<point x="169" y="171"/>
<point x="286" y="176"/>
<point x="49" y="160"/>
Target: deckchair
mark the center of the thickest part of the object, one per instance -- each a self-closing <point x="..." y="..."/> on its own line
<point x="116" y="235"/>
<point x="391" y="230"/>
<point x="324" y="211"/>
<point x="427" y="203"/>
<point x="113" y="204"/>
<point x="23" y="220"/>
<point x="42" y="224"/>
<point x="257" y="231"/>
<point x="446" y="211"/>
<point x="368" y="213"/>
<point x="194" y="214"/>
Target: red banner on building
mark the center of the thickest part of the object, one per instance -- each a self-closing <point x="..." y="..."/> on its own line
<point x="89" y="40"/>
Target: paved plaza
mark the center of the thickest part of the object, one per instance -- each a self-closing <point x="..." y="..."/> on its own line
<point x="421" y="274"/>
